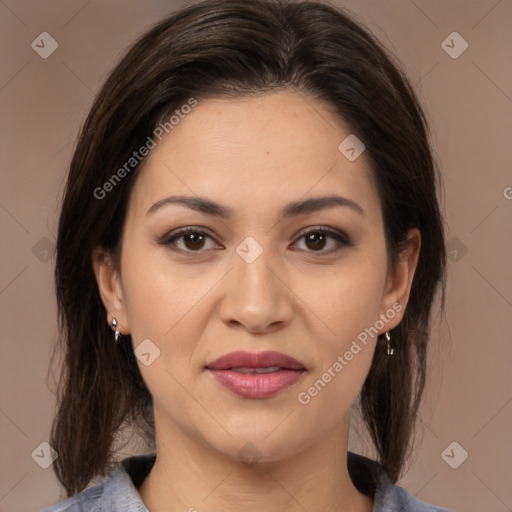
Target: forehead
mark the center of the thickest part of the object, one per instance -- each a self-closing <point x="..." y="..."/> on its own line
<point x="257" y="151"/>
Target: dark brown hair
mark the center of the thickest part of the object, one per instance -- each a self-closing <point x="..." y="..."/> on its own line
<point x="216" y="49"/>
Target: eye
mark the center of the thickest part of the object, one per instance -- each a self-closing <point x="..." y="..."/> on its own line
<point x="317" y="239"/>
<point x="192" y="240"/>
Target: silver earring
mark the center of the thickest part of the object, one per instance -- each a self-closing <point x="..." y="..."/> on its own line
<point x="390" y="349"/>
<point x="117" y="333"/>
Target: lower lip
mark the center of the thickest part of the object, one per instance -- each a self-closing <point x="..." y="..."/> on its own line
<point x="257" y="385"/>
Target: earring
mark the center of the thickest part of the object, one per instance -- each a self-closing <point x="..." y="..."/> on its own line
<point x="117" y="333"/>
<point x="390" y="349"/>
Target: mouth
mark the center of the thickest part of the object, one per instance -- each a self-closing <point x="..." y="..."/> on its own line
<point x="250" y="371"/>
<point x="256" y="375"/>
<point x="255" y="362"/>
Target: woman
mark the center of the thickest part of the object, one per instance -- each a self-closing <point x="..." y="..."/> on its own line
<point x="249" y="248"/>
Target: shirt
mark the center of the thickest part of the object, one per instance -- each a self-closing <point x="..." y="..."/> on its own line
<point x="117" y="492"/>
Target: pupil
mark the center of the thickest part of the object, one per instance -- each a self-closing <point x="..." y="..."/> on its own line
<point x="194" y="240"/>
<point x="316" y="244"/>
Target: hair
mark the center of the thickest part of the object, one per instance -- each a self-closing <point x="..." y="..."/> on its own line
<point x="222" y="49"/>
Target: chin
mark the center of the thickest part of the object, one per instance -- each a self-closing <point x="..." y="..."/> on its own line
<point x="256" y="446"/>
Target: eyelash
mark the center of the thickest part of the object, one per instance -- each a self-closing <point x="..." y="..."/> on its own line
<point x="342" y="239"/>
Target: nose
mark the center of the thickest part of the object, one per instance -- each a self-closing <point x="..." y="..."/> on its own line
<point x="256" y="297"/>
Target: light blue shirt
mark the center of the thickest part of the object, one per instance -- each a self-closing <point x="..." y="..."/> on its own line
<point x="117" y="492"/>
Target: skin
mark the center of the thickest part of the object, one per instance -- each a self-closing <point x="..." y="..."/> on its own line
<point x="254" y="155"/>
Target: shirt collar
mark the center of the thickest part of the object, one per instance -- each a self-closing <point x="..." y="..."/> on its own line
<point x="120" y="487"/>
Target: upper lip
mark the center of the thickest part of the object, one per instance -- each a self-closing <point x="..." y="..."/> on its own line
<point x="243" y="359"/>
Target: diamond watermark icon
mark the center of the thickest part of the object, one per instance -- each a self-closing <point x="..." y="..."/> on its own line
<point x="456" y="249"/>
<point x="43" y="249"/>
<point x="249" y="249"/>
<point x="44" y="45"/>
<point x="146" y="352"/>
<point x="454" y="45"/>
<point x="249" y="454"/>
<point x="44" y="455"/>
<point x="454" y="455"/>
<point x="351" y="147"/>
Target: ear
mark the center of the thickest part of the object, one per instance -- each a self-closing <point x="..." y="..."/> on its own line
<point x="109" y="286"/>
<point x="399" y="280"/>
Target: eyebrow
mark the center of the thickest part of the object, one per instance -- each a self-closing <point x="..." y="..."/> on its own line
<point x="293" y="209"/>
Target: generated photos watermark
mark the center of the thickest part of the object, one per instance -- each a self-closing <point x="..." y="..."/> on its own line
<point x="137" y="156"/>
<point x="304" y="397"/>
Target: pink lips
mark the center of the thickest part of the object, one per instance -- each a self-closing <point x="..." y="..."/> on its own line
<point x="237" y="371"/>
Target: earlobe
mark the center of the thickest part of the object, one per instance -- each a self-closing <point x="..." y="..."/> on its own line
<point x="399" y="282"/>
<point x="109" y="287"/>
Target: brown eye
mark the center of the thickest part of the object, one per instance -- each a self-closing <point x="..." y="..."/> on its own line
<point x="193" y="241"/>
<point x="317" y="240"/>
<point x="188" y="240"/>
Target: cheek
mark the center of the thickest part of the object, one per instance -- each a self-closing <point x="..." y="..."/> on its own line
<point x="350" y="308"/>
<point x="165" y="304"/>
<point x="159" y="296"/>
<point x="347" y="300"/>
<point x="348" y="303"/>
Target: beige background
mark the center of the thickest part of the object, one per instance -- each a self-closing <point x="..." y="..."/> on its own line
<point x="469" y="103"/>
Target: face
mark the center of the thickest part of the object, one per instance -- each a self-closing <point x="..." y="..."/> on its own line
<point x="255" y="274"/>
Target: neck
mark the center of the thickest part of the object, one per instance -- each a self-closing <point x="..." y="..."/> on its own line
<point x="187" y="475"/>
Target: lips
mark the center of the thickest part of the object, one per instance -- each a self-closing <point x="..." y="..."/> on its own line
<point x="256" y="375"/>
<point x="250" y="362"/>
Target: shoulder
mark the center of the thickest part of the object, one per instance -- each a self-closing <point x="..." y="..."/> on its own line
<point x="89" y="500"/>
<point x="369" y="477"/>
<point x="115" y="493"/>
<point x="396" y="498"/>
